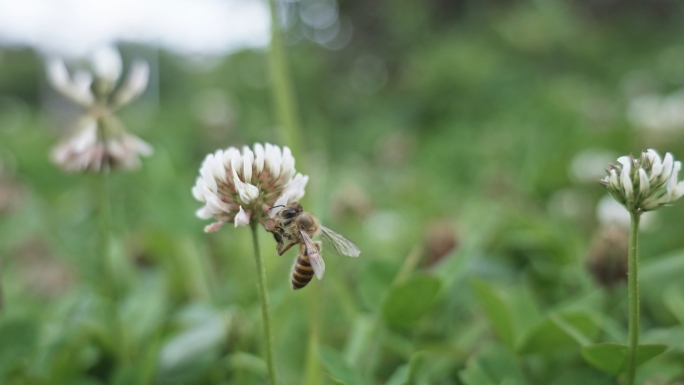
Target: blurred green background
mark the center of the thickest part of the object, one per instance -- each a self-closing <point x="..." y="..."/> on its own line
<point x="442" y="138"/>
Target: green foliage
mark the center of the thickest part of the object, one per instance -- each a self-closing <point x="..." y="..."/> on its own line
<point x="612" y="358"/>
<point x="453" y="179"/>
<point x="409" y="301"/>
<point x="494" y="365"/>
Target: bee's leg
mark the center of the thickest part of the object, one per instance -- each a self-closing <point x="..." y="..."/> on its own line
<point x="282" y="251"/>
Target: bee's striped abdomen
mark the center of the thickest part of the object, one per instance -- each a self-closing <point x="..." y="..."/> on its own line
<point x="302" y="272"/>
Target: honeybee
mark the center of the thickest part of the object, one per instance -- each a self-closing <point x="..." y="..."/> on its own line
<point x="294" y="226"/>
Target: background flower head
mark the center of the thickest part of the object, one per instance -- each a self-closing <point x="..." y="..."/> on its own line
<point x="99" y="140"/>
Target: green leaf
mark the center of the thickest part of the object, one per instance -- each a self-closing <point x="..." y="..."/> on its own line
<point x="194" y="348"/>
<point x="612" y="357"/>
<point x="248" y="362"/>
<point x="559" y="331"/>
<point x="660" y="269"/>
<point x="337" y="367"/>
<point x="674" y="300"/>
<point x="494" y="365"/>
<point x="400" y="376"/>
<point x="408" y="302"/>
<point x="497" y="311"/>
<point x="18" y="339"/>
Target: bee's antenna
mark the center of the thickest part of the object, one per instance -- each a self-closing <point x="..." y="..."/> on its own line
<point x="275" y="207"/>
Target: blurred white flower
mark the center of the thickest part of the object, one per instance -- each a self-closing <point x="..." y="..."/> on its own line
<point x="645" y="183"/>
<point x="99" y="141"/>
<point x="589" y="165"/>
<point x="658" y="113"/>
<point x="241" y="187"/>
<point x="611" y="214"/>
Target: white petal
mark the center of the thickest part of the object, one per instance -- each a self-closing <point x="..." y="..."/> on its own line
<point x="215" y="201"/>
<point x="614" y="181"/>
<point x="672" y="182"/>
<point x="657" y="164"/>
<point x="626" y="180"/>
<point x="288" y="164"/>
<point x="228" y="155"/>
<point x="207" y="172"/>
<point x="678" y="191"/>
<point x="107" y="64"/>
<point x="295" y="189"/>
<point x="247" y="160"/>
<point x="273" y="158"/>
<point x="624" y="160"/>
<point x="242" y="218"/>
<point x="219" y="170"/>
<point x="259" y="157"/>
<point x="667" y="167"/>
<point x="236" y="162"/>
<point x="135" y="84"/>
<point x="58" y="77"/>
<point x="248" y="193"/>
<point x="204" y="213"/>
<point x="643" y="182"/>
<point x="278" y="205"/>
<point x="197" y="190"/>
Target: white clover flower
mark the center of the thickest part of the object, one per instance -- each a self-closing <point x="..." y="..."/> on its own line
<point x="646" y="183"/>
<point x="99" y="141"/>
<point x="242" y="187"/>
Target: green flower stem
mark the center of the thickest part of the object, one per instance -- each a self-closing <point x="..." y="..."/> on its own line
<point x="633" y="297"/>
<point x="2" y="294"/>
<point x="105" y="227"/>
<point x="283" y="96"/>
<point x="265" y="304"/>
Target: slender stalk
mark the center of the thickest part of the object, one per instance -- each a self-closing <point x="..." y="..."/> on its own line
<point x="2" y="294"/>
<point x="105" y="227"/>
<point x="633" y="284"/>
<point x="283" y="96"/>
<point x="265" y="304"/>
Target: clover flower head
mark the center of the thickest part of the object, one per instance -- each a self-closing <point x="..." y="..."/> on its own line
<point x="99" y="141"/>
<point x="242" y="186"/>
<point x="645" y="183"/>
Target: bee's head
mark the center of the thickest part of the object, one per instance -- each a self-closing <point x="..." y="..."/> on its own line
<point x="291" y="210"/>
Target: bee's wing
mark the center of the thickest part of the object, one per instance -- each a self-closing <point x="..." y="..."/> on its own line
<point x="314" y="253"/>
<point x="343" y="245"/>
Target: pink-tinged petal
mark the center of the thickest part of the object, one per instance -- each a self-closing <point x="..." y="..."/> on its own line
<point x="242" y="218"/>
<point x="214" y="227"/>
